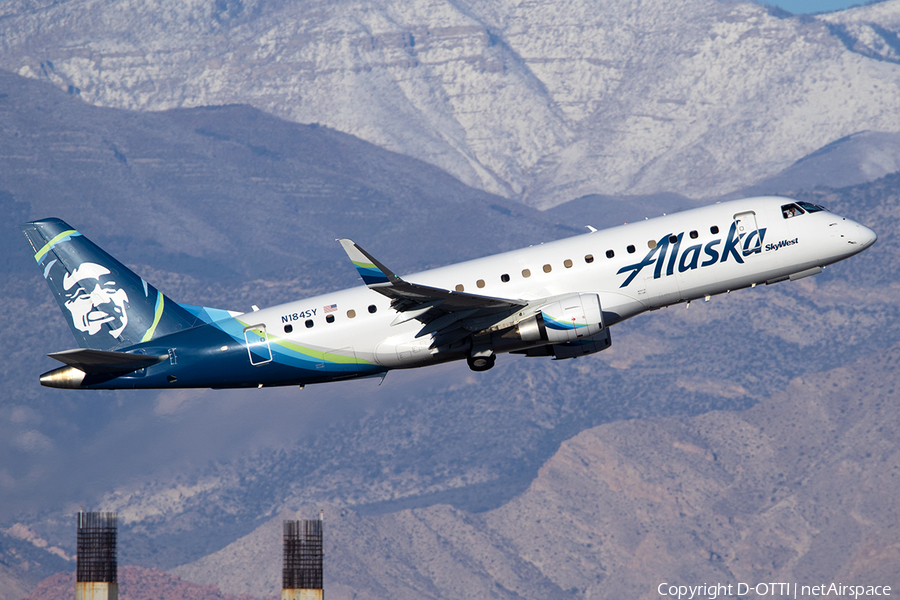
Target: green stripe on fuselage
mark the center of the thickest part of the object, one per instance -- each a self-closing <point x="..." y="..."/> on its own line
<point x="318" y="355"/>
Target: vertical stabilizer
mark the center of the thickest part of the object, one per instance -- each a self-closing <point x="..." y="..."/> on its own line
<point x="106" y="304"/>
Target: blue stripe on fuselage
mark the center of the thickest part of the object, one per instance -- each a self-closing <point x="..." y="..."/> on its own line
<point x="217" y="357"/>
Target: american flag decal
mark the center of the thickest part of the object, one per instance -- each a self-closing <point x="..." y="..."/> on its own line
<point x="330" y="308"/>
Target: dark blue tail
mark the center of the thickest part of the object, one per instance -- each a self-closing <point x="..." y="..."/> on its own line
<point x="107" y="305"/>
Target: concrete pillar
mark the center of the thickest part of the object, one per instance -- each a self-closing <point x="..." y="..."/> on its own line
<point x="303" y="558"/>
<point x="97" y="572"/>
<point x="96" y="590"/>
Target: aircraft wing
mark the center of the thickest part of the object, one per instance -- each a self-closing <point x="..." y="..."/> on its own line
<point x="406" y="296"/>
<point x="445" y="313"/>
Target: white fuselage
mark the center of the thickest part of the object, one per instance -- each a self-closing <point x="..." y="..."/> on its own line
<point x="713" y="250"/>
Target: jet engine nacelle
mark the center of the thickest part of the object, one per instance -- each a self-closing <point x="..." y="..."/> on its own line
<point x="579" y="347"/>
<point x="566" y="320"/>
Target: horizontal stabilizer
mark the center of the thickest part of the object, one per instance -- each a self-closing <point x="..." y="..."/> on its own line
<point x="373" y="273"/>
<point x="100" y="361"/>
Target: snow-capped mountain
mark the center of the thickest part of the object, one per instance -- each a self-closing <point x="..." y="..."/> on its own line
<point x="542" y="101"/>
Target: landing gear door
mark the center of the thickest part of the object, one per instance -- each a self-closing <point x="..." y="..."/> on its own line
<point x="258" y="344"/>
<point x="747" y="230"/>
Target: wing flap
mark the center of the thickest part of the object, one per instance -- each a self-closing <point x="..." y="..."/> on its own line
<point x="414" y="312"/>
<point x="444" y="321"/>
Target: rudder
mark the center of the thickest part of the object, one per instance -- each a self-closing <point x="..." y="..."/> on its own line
<point x="106" y="304"/>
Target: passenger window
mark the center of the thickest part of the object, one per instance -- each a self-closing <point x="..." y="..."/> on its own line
<point x="673" y="239"/>
<point x="288" y="328"/>
<point x="504" y="278"/>
<point x="547" y="268"/>
<point x="714" y="229"/>
<point x="651" y="244"/>
<point x="630" y="249"/>
<point x="372" y="308"/>
<point x="309" y="323"/>
<point x="460" y="288"/>
<point x="589" y="258"/>
<point x="351" y="313"/>
<point x="526" y="272"/>
<point x="791" y="210"/>
<point x="480" y="283"/>
<point x="329" y="319"/>
<point x="567" y="263"/>
<point x="610" y="254"/>
<point x="694" y="234"/>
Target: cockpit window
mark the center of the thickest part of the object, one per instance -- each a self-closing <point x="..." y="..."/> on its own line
<point x="791" y="210"/>
<point x="811" y="208"/>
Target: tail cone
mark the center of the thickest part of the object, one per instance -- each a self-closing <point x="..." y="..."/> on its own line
<point x="68" y="378"/>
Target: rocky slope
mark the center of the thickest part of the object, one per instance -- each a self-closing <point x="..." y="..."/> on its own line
<point x="475" y="444"/>
<point x="26" y="559"/>
<point x="868" y="30"/>
<point x="135" y="583"/>
<point x="288" y="190"/>
<point x="528" y="100"/>
<point x="193" y="472"/>
<point x="801" y="487"/>
<point x="852" y="160"/>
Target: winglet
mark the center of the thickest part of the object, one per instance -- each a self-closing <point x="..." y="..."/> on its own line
<point x="373" y="273"/>
<point x="412" y="297"/>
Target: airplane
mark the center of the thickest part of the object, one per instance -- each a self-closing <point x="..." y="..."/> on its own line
<point x="557" y="299"/>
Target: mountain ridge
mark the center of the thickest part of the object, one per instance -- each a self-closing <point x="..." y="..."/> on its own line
<point x="525" y="101"/>
<point x="724" y="496"/>
<point x="191" y="473"/>
<point x="136" y="583"/>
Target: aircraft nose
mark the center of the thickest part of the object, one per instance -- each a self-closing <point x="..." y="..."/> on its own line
<point x="866" y="237"/>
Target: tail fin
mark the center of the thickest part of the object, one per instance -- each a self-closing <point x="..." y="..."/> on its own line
<point x="107" y="305"/>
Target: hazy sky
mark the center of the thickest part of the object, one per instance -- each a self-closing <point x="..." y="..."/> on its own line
<point x="810" y="6"/>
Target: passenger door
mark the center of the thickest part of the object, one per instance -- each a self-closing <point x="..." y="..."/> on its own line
<point x="747" y="229"/>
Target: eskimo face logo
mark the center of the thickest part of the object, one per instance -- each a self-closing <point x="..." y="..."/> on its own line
<point x="94" y="299"/>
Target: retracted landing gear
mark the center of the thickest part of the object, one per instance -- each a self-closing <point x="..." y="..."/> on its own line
<point x="481" y="362"/>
